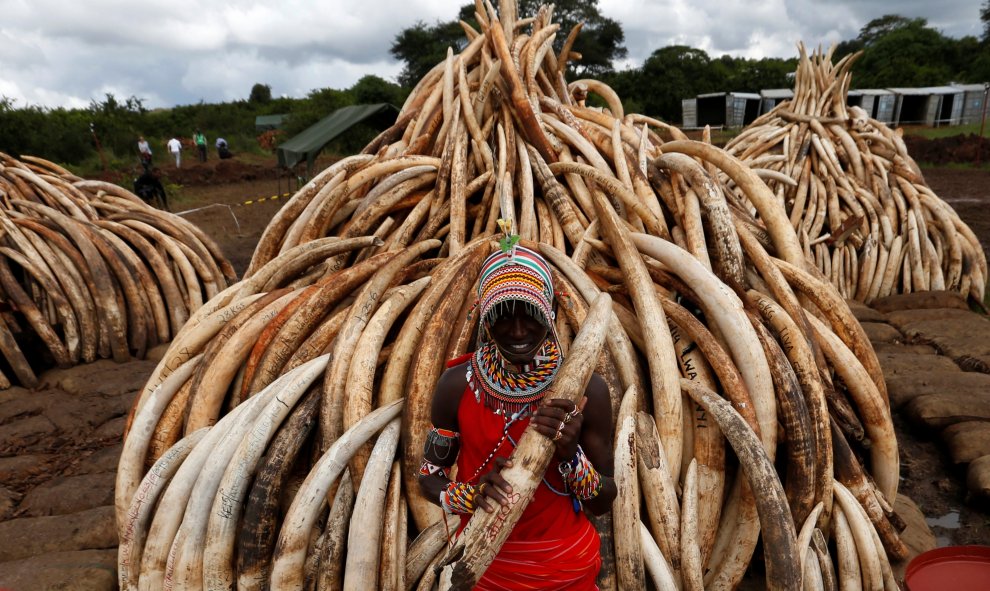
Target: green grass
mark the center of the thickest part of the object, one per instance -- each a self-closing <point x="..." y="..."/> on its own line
<point x="946" y="131"/>
<point x="985" y="165"/>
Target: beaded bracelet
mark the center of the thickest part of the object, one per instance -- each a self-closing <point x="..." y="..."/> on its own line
<point x="457" y="498"/>
<point x="581" y="477"/>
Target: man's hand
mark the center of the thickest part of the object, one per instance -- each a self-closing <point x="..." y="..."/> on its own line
<point x="561" y="420"/>
<point x="492" y="489"/>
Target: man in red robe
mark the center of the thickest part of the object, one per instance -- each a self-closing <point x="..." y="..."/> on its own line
<point x="481" y="406"/>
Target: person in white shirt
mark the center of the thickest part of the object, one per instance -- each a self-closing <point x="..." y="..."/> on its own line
<point x="144" y="152"/>
<point x="175" y="148"/>
<point x="223" y="151"/>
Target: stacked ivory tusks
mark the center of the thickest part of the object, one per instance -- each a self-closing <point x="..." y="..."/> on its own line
<point x="856" y="199"/>
<point x="278" y="443"/>
<point x="89" y="271"/>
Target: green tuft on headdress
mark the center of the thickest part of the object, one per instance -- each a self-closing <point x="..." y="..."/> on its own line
<point x="508" y="241"/>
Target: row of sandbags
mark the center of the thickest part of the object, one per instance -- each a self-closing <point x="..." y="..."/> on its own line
<point x="855" y="197"/>
<point x="88" y="270"/>
<point x="278" y="443"/>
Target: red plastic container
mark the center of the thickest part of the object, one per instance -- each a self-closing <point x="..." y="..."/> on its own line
<point x="957" y="568"/>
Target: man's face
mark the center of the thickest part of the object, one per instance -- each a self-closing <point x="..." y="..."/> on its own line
<point x="517" y="334"/>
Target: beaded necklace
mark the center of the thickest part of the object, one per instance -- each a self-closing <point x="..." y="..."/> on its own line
<point x="511" y="395"/>
<point x="507" y="392"/>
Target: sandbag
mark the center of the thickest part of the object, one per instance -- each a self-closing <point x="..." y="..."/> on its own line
<point x="936" y="411"/>
<point x="953" y="333"/>
<point x="904" y="318"/>
<point x="901" y="349"/>
<point x="895" y="363"/>
<point x="906" y="387"/>
<point x="881" y="332"/>
<point x="978" y="478"/>
<point x="917" y="535"/>
<point x="967" y="441"/>
<point x="920" y="300"/>
<point x="864" y="313"/>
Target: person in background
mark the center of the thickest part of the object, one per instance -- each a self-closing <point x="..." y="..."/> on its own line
<point x="144" y="152"/>
<point x="200" y="140"/>
<point x="223" y="151"/>
<point x="175" y="149"/>
<point x="149" y="188"/>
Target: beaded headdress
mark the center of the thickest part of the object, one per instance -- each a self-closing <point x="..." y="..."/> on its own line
<point x="516" y="275"/>
<point x="513" y="276"/>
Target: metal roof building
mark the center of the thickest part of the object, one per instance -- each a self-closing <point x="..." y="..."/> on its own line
<point x="728" y="109"/>
<point x="934" y="105"/>
<point x="772" y="97"/>
<point x="878" y="103"/>
<point x="974" y="95"/>
<point x="689" y="113"/>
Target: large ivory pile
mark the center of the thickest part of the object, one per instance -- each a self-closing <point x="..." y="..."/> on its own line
<point x="89" y="270"/>
<point x="856" y="199"/>
<point x="249" y="460"/>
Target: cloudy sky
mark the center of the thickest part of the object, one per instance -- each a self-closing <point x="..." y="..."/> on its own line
<point x="173" y="52"/>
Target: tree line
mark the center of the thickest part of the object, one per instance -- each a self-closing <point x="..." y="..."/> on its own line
<point x="73" y="136"/>
<point x="896" y="51"/>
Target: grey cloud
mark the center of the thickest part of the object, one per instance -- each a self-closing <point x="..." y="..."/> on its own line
<point x="172" y="52"/>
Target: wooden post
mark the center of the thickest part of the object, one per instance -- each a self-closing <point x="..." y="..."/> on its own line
<point x="983" y="122"/>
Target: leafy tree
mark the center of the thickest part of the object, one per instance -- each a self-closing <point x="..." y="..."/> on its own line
<point x="885" y="25"/>
<point x="372" y="89"/>
<point x="902" y="53"/>
<point x="628" y="85"/>
<point x="669" y="75"/>
<point x="844" y="48"/>
<point x="750" y="75"/>
<point x="985" y="18"/>
<point x="968" y="59"/>
<point x="318" y="104"/>
<point x="116" y="122"/>
<point x="423" y="46"/>
<point x="260" y="93"/>
<point x="600" y="41"/>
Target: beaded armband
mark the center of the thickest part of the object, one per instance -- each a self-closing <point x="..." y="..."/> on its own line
<point x="580" y="476"/>
<point x="458" y="498"/>
<point x="441" y="441"/>
<point x="428" y="469"/>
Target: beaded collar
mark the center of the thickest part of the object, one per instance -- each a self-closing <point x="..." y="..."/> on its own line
<point x="507" y="392"/>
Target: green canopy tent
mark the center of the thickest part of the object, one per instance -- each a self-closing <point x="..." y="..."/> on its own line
<point x="307" y="145"/>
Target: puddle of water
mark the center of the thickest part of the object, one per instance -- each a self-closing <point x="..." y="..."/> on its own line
<point x="948" y="521"/>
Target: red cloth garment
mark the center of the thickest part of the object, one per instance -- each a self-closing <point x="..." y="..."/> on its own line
<point x="552" y="546"/>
